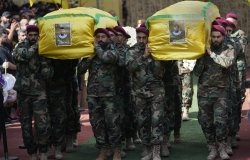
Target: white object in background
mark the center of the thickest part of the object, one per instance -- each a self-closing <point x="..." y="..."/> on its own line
<point x="10" y="81"/>
<point x="5" y="65"/>
<point x="132" y="32"/>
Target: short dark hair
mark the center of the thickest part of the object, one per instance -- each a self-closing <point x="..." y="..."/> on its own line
<point x="3" y="31"/>
<point x="6" y="14"/>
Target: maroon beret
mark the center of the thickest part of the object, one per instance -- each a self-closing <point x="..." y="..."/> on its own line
<point x="231" y="24"/>
<point x="112" y="30"/>
<point x="121" y="30"/>
<point x="220" y="21"/>
<point x="219" y="28"/>
<point x="142" y="28"/>
<point x="32" y="28"/>
<point x="232" y="15"/>
<point x="102" y="30"/>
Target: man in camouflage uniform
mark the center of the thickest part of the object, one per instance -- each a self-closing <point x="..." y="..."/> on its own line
<point x="104" y="114"/>
<point x="213" y="72"/>
<point x="240" y="37"/>
<point x="32" y="73"/>
<point x="124" y="89"/>
<point x="234" y="98"/>
<point x="185" y="71"/>
<point x="172" y="120"/>
<point x="148" y="89"/>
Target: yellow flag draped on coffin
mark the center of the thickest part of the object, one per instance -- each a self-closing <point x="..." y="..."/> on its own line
<point x="64" y="3"/>
<point x="181" y="31"/>
<point x="69" y="33"/>
<point x="102" y="18"/>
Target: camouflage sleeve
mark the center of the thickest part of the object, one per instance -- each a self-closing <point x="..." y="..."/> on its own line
<point x="83" y="66"/>
<point x="225" y="59"/>
<point x="133" y="63"/>
<point x="243" y="40"/>
<point x="199" y="67"/>
<point x="47" y="70"/>
<point x="122" y="56"/>
<point x="23" y="54"/>
<point x="108" y="56"/>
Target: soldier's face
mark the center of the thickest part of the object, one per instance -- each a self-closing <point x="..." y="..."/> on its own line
<point x="121" y="38"/>
<point x="101" y="37"/>
<point x="32" y="37"/>
<point x="229" y="30"/>
<point x="113" y="37"/>
<point x="216" y="38"/>
<point x="141" y="38"/>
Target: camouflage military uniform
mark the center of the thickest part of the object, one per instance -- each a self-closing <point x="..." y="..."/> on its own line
<point x="104" y="114"/>
<point x="240" y="41"/>
<point x="32" y="73"/>
<point x="213" y="73"/>
<point x="241" y="58"/>
<point x="234" y="98"/>
<point x="187" y="85"/>
<point x="123" y="90"/>
<point x="173" y="97"/>
<point x="148" y="89"/>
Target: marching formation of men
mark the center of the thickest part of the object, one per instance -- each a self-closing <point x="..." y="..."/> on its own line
<point x="156" y="89"/>
<point x="131" y="94"/>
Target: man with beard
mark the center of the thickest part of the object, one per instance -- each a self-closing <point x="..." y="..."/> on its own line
<point x="32" y="73"/>
<point x="101" y="91"/>
<point x="148" y="90"/>
<point x="213" y="72"/>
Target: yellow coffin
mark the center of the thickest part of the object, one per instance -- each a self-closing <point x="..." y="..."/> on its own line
<point x="182" y="30"/>
<point x="69" y="33"/>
